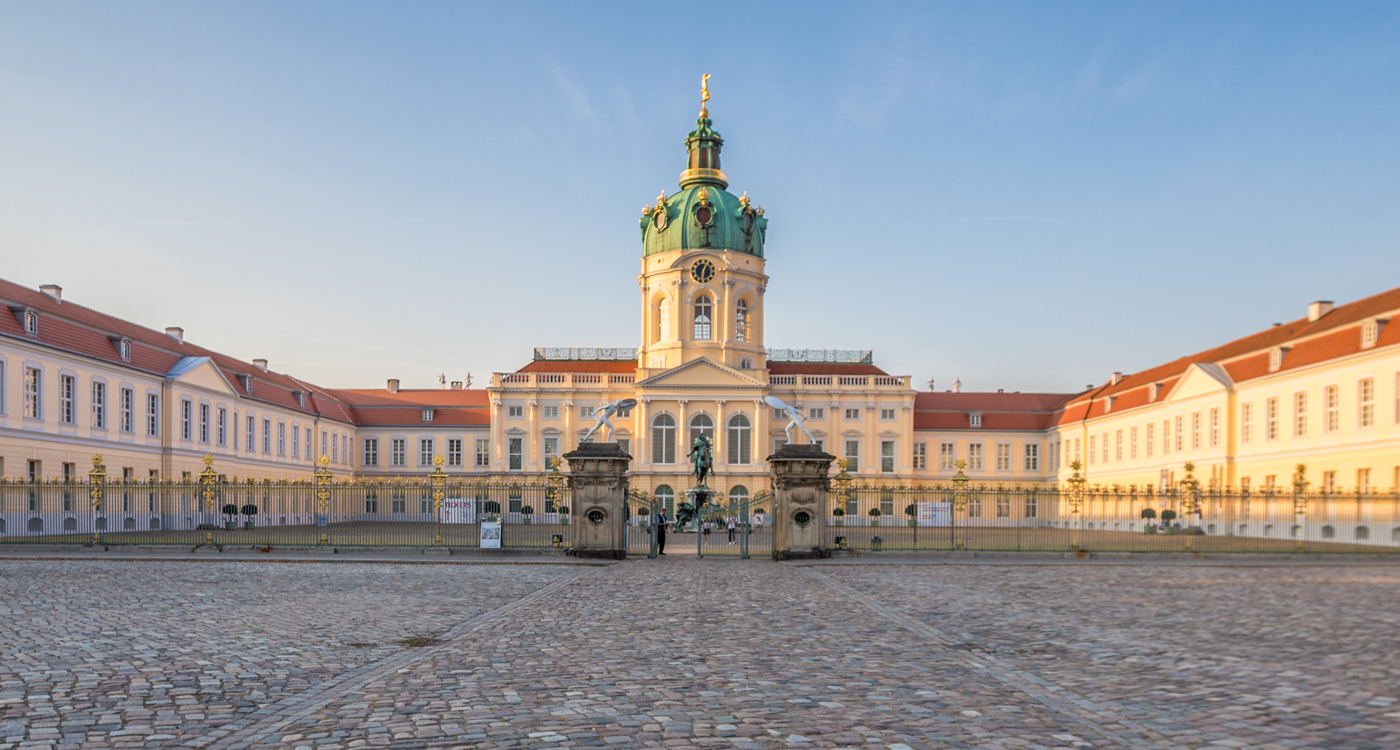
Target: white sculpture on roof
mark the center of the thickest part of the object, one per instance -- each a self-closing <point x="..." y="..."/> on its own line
<point x="795" y="417"/>
<point x="607" y="410"/>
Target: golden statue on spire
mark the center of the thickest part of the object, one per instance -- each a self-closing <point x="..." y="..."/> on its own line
<point x="705" y="95"/>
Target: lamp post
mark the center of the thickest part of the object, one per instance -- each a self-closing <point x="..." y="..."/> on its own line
<point x="960" y="481"/>
<point x="1300" y="504"/>
<point x="1076" y="499"/>
<point x="1191" y="496"/>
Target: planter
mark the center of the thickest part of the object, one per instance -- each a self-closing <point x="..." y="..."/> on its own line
<point x="527" y="520"/>
<point x="230" y="525"/>
<point x="247" y="524"/>
<point x="874" y="522"/>
<point x="836" y="522"/>
<point x="913" y="524"/>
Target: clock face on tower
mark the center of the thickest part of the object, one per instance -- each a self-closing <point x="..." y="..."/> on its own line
<point x="703" y="271"/>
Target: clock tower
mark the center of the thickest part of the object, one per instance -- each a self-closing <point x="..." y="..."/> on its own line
<point x="702" y="279"/>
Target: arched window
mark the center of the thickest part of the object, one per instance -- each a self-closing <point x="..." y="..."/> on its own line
<point x="702" y="318"/>
<point x="701" y="424"/>
<point x="666" y="498"/>
<point x="663" y="439"/>
<point x="740" y="441"/>
<point x="663" y="320"/>
<point x="741" y="321"/>
<point x="738" y="493"/>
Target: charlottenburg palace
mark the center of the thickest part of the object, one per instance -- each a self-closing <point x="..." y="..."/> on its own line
<point x="1324" y="389"/>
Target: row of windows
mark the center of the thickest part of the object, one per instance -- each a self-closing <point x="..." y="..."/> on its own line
<point x="703" y="327"/>
<point x="948" y="456"/>
<point x="98" y="404"/>
<point x="427" y="452"/>
<point x="1331" y="413"/>
<point x="814" y="414"/>
<point x="1328" y="481"/>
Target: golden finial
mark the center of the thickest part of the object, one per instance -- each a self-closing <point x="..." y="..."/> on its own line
<point x="437" y="462"/>
<point x="744" y="199"/>
<point x="661" y="199"/>
<point x="208" y="460"/>
<point x="325" y="460"/>
<point x="704" y="196"/>
<point x="96" y="461"/>
<point x="705" y="95"/>
<point x="646" y="210"/>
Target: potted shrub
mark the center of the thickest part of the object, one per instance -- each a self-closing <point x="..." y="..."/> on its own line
<point x="230" y="516"/>
<point x="492" y="509"/>
<point x="563" y="511"/>
<point x="249" y="511"/>
<point x="838" y="514"/>
<point x="1149" y="514"/>
<point x="912" y="510"/>
<point x="527" y="511"/>
<point x="874" y="516"/>
<point x="1167" y="517"/>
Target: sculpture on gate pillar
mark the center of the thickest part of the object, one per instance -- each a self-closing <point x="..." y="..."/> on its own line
<point x="799" y="501"/>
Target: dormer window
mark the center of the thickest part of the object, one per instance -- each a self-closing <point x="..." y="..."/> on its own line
<point x="1152" y="391"/>
<point x="300" y="397"/>
<point x="123" y="346"/>
<point x="1276" y="356"/>
<point x="1370" y="333"/>
<point x="1108" y="404"/>
<point x="31" y="322"/>
<point x="246" y="381"/>
<point x="745" y="363"/>
<point x="974" y="419"/>
<point x="427" y="415"/>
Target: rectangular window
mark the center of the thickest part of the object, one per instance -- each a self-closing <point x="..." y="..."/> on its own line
<point x="516" y="451"/>
<point x="222" y="429"/>
<point x="1367" y="399"/>
<point x="1118" y="445"/>
<point x="816" y="413"/>
<point x="454" y="452"/>
<point x="587" y="412"/>
<point x="334" y="457"/>
<point x="974" y="456"/>
<point x="152" y="414"/>
<point x="1195" y="430"/>
<point x="887" y="415"/>
<point x="483" y="452"/>
<point x="1246" y="423"/>
<point x="128" y="406"/>
<point x="515" y="412"/>
<point x="853" y="415"/>
<point x="1003" y="505"/>
<point x="281" y="438"/>
<point x="920" y="455"/>
<point x="345" y="448"/>
<point x="267" y="435"/>
<point x="251" y="434"/>
<point x="204" y="423"/>
<point x="1363" y="480"/>
<point x="1180" y="437"/>
<point x="1003" y="457"/>
<point x="296" y="441"/>
<point x="1105" y="447"/>
<point x="551" y="412"/>
<point x="371" y="452"/>
<point x="309" y="452"/>
<point x="1332" y="401"/>
<point x="426" y="450"/>
<point x="398" y="452"/>
<point x="947" y="456"/>
<point x="551" y="451"/>
<point x="626" y="445"/>
<point x="1093" y="440"/>
<point x="1031" y="504"/>
<point x="1271" y="413"/>
<point x="887" y="456"/>
<point x="325" y="449"/>
<point x="1032" y="456"/>
<point x="67" y="385"/>
<point x="1147" y="446"/>
<point x="1329" y="481"/>
<point x="186" y="418"/>
<point x="1215" y="427"/>
<point x="1300" y="414"/>
<point x="1076" y="449"/>
<point x="852" y="455"/>
<point x="32" y="384"/>
<point x="1132" y="443"/>
<point x="99" y="405"/>
<point x="780" y="415"/>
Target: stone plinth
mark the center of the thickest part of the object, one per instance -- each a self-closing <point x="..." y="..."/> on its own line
<point x="598" y="479"/>
<point x="799" y="501"/>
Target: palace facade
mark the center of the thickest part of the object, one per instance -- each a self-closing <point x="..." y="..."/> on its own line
<point x="1322" y="390"/>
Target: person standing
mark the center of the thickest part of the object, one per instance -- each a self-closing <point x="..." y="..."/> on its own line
<point x="661" y="524"/>
<point x="733" y="524"/>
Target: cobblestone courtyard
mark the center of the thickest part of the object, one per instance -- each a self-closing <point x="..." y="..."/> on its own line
<point x="679" y="652"/>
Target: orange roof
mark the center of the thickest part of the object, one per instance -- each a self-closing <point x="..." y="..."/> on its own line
<point x="1000" y="411"/>
<point x="359" y="397"/>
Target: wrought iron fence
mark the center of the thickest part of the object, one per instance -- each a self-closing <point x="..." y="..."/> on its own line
<point x="1065" y="519"/>
<point x="420" y="513"/>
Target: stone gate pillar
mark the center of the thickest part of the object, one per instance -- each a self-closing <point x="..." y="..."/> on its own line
<point x="598" y="480"/>
<point x="799" y="501"/>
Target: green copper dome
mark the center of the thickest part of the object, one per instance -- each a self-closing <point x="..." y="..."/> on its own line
<point x="703" y="214"/>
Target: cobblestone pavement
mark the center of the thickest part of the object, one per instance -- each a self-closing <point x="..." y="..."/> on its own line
<point x="679" y="652"/>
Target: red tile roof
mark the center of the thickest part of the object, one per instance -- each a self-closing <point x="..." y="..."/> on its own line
<point x="1000" y="411"/>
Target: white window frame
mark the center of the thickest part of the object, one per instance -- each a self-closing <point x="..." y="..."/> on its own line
<point x="1300" y="414"/>
<point x="482" y="448"/>
<point x="1032" y="456"/>
<point x="67" y="397"/>
<point x="267" y="436"/>
<point x="454" y="452"/>
<point x="887" y="456"/>
<point x="852" y="415"/>
<point x="398" y="451"/>
<point x="947" y="456"/>
<point x="281" y="438"/>
<point x="816" y="414"/>
<point x="427" y="450"/>
<point x="974" y="456"/>
<point x="888" y="415"/>
<point x="127" y="420"/>
<point x="1332" y="405"/>
<point x="221" y="426"/>
<point x="515" y="411"/>
<point x="550" y="412"/>
<point x="152" y="415"/>
<point x="1366" y="403"/>
<point x="371" y="451"/>
<point x="99" y="404"/>
<point x="515" y="453"/>
<point x="186" y="420"/>
<point x="920" y="457"/>
<point x="1003" y="456"/>
<point x="204" y="423"/>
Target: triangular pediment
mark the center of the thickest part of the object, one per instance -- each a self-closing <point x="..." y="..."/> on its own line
<point x="200" y="372"/>
<point x="1201" y="379"/>
<point x="701" y="373"/>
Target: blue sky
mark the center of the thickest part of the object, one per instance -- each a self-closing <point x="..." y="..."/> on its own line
<point x="1024" y="195"/>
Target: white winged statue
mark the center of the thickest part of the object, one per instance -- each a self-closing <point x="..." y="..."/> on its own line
<point x="795" y="417"/>
<point x="605" y="411"/>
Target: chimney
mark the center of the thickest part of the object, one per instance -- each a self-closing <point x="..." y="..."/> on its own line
<point x="261" y="364"/>
<point x="175" y="332"/>
<point x="456" y="385"/>
<point x="393" y="385"/>
<point x="1318" y="309"/>
<point x="1115" y="378"/>
<point x="53" y="290"/>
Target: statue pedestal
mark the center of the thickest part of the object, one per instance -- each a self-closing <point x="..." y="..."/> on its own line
<point x="799" y="501"/>
<point x="598" y="479"/>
